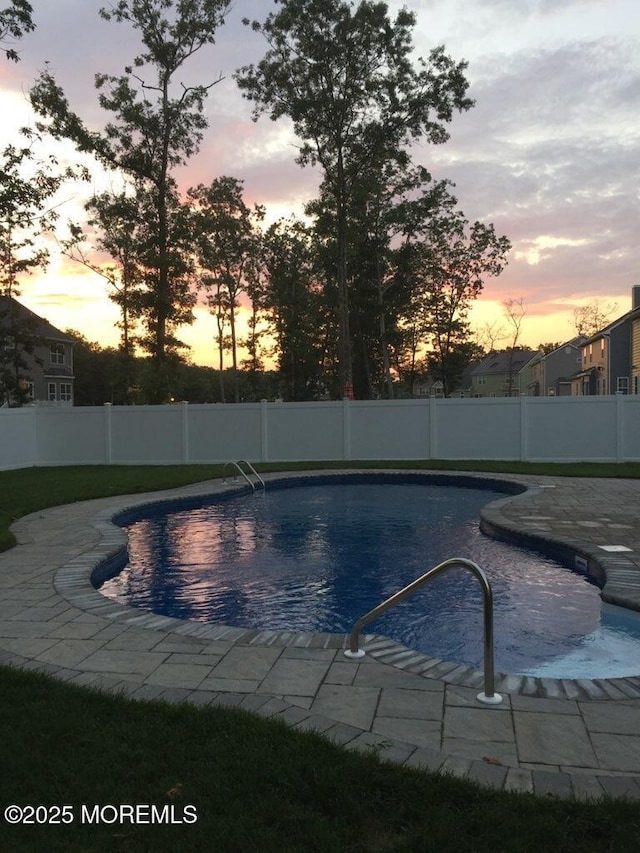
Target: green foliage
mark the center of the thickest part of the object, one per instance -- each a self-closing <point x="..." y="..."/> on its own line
<point x="27" y="213"/>
<point x="299" y="316"/>
<point x="15" y="21"/>
<point x="227" y="238"/>
<point x="157" y="125"/>
<point x="345" y="77"/>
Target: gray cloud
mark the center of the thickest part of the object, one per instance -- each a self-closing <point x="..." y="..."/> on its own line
<point x="550" y="153"/>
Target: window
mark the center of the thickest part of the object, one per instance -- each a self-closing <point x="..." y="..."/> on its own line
<point x="623" y="385"/>
<point x="57" y="353"/>
<point x="31" y="390"/>
<point x="51" y="392"/>
<point x="66" y="392"/>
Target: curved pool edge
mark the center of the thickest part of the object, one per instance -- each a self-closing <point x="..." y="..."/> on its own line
<point x="551" y="747"/>
<point x="74" y="581"/>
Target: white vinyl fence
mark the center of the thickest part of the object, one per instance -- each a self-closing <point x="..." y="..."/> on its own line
<point x="603" y="429"/>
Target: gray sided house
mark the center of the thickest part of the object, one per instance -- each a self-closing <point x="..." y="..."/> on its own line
<point x="498" y="375"/>
<point x="36" y="359"/>
<point x="549" y="374"/>
<point x="610" y="362"/>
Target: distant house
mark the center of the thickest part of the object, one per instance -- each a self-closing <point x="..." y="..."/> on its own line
<point x="497" y="375"/>
<point x="610" y="358"/>
<point x="427" y="387"/>
<point x="44" y="355"/>
<point x="549" y="374"/>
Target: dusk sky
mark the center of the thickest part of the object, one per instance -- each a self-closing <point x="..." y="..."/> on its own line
<point x="550" y="153"/>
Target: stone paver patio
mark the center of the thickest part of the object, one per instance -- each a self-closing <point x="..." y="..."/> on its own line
<point x="560" y="737"/>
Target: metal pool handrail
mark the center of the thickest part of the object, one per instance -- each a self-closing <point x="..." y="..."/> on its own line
<point x="243" y="473"/>
<point x="253" y="471"/>
<point x="489" y="697"/>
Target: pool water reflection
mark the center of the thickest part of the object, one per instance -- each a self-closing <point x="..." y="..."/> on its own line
<point x="315" y="557"/>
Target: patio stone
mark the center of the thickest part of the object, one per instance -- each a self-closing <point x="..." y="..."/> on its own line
<point x="617" y="752"/>
<point x="478" y="724"/>
<point x="418" y="732"/>
<point x="551" y="739"/>
<point x="111" y="660"/>
<point x="179" y="675"/>
<point x="355" y="706"/>
<point x="244" y="662"/>
<point x="410" y="704"/>
<point x="557" y="738"/>
<point x="294" y="676"/>
<point x="612" y="718"/>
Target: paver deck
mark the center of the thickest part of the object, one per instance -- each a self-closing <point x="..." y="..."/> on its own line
<point x="560" y="737"/>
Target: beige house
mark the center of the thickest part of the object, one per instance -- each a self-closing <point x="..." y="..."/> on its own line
<point x="610" y="358"/>
<point x="45" y="362"/>
<point x="635" y="356"/>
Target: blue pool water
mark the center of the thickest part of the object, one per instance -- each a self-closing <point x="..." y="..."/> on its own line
<point x="316" y="556"/>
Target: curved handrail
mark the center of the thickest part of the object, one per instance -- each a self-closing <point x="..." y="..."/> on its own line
<point x="253" y="471"/>
<point x="489" y="696"/>
<point x="224" y="479"/>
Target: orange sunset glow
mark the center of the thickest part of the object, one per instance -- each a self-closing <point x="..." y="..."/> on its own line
<point x="550" y="154"/>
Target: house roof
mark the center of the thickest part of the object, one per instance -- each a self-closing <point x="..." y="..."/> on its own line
<point x="503" y="362"/>
<point x="576" y="343"/>
<point x="41" y="328"/>
<point x="630" y="315"/>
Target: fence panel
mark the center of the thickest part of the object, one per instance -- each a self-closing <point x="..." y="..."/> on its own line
<point x="305" y="431"/>
<point x="532" y="428"/>
<point x="571" y="428"/>
<point x="146" y="434"/>
<point x="389" y="429"/>
<point x="484" y="428"/>
<point x="18" y="442"/>
<point x="221" y="432"/>
<point x="70" y="435"/>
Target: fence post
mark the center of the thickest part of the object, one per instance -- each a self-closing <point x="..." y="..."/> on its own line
<point x="108" y="449"/>
<point x="346" y="429"/>
<point x="185" y="432"/>
<point x="620" y="427"/>
<point x="433" y="428"/>
<point x="524" y="429"/>
<point x="264" y="431"/>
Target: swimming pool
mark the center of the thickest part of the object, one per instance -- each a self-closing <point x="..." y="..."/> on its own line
<point x="314" y="554"/>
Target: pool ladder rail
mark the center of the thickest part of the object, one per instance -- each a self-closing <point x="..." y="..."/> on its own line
<point x="237" y="465"/>
<point x="488" y="696"/>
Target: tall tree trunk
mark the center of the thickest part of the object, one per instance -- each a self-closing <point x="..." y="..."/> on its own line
<point x="344" y="337"/>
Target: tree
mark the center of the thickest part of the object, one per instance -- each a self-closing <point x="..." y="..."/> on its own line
<point x="297" y="310"/>
<point x="27" y="214"/>
<point x="158" y="126"/>
<point x="514" y="312"/>
<point x="445" y="260"/>
<point x="228" y="245"/>
<point x="590" y="318"/>
<point x="489" y="334"/>
<point x="116" y="228"/>
<point x="345" y="77"/>
<point x="15" y="21"/>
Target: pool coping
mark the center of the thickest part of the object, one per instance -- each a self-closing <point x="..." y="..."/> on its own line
<point x="551" y="721"/>
<point x="74" y="582"/>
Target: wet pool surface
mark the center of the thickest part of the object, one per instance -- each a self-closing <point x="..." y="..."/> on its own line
<point x="318" y="556"/>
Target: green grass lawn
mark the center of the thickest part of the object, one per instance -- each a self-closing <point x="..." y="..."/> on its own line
<point x="255" y="784"/>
